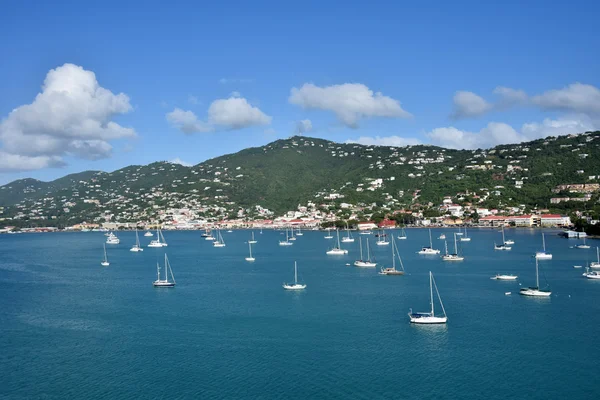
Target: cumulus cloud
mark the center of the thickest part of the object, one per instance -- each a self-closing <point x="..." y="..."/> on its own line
<point x="72" y="115"/>
<point x="393" y="141"/>
<point x="187" y="121"/>
<point x="510" y="97"/>
<point x="496" y="133"/>
<point x="179" y="161"/>
<point x="350" y="102"/>
<point x="576" y="97"/>
<point x="468" y="104"/>
<point x="303" y="126"/>
<point x="15" y="162"/>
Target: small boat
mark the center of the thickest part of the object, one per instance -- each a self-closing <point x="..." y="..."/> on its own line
<point x="299" y="233"/>
<point x="465" y="238"/>
<point x="596" y="264"/>
<point x="136" y="247"/>
<point x="429" y="317"/>
<point x="287" y="240"/>
<point x="402" y="235"/>
<point x="328" y="236"/>
<point x="504" y="245"/>
<point x="454" y="256"/>
<point x="365" y="232"/>
<point x="381" y="239"/>
<point x="591" y="274"/>
<point x="348" y="238"/>
<point x="502" y="277"/>
<point x="429" y="250"/>
<point x="295" y="285"/>
<point x="164" y="282"/>
<point x="252" y="241"/>
<point x="535" y="291"/>
<point x="583" y="245"/>
<point x="393" y="270"/>
<point x="364" y="263"/>
<point x="219" y="242"/>
<point x="337" y="251"/>
<point x="542" y="255"/>
<point x="157" y="242"/>
<point x="577" y="266"/>
<point x="105" y="262"/>
<point x="442" y="237"/>
<point x="148" y="234"/>
<point x="229" y="231"/>
<point x="112" y="239"/>
<point x="507" y="293"/>
<point x="250" y="258"/>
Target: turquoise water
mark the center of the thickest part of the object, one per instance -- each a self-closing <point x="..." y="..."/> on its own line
<point x="73" y="329"/>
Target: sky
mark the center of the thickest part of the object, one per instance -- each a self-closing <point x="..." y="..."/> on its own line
<point x="103" y="86"/>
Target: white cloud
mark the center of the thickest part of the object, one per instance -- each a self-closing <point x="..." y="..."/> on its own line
<point x="303" y="126"/>
<point x="236" y="113"/>
<point x="231" y="113"/>
<point x="14" y="162"/>
<point x="179" y="161"/>
<point x="193" y="100"/>
<point x="496" y="133"/>
<point x="350" y="102"/>
<point x="394" y="141"/>
<point x="510" y="97"/>
<point x="72" y="115"/>
<point x="187" y="121"/>
<point x="468" y="104"/>
<point x="576" y="97"/>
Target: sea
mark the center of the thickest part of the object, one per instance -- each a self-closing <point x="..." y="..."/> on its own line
<point x="72" y="329"/>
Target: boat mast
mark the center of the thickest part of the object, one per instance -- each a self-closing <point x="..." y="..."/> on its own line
<point x="157" y="271"/>
<point x="360" y="244"/>
<point x="295" y="273"/>
<point x="431" y="291"/>
<point x="537" y="275"/>
<point x="393" y="254"/>
<point x="430" y="242"/>
<point x="250" y="247"/>
<point x="105" y="258"/>
<point x="368" y="251"/>
<point x="544" y="242"/>
<point x="338" y="238"/>
<point x="455" y="246"/>
<point x="503" y="240"/>
<point x="446" y="245"/>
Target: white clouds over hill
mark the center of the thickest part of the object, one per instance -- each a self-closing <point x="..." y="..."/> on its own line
<point x="72" y="115"/>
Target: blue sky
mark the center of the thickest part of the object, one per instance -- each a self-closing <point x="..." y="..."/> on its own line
<point x="457" y="74"/>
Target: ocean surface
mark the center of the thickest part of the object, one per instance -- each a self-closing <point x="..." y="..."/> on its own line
<point x="70" y="328"/>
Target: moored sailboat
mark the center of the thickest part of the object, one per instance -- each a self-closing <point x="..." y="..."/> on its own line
<point x="454" y="256"/>
<point x="429" y="250"/>
<point x="295" y="285"/>
<point x="364" y="263"/>
<point x="164" y="282"/>
<point x="392" y="270"/>
<point x="338" y="249"/>
<point x="252" y="241"/>
<point x="429" y="317"/>
<point x="105" y="262"/>
<point x="542" y="255"/>
<point x="250" y="258"/>
<point x="136" y="247"/>
<point x="219" y="242"/>
<point x="535" y="290"/>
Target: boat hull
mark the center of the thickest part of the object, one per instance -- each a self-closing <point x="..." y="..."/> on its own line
<point x="136" y="249"/>
<point x="105" y="264"/>
<point x="427" y="320"/>
<point x="391" y="272"/>
<point x="163" y="284"/>
<point x="543" y="256"/>
<point x="294" y="287"/>
<point x="250" y="259"/>
<point x="337" y="252"/>
<point x="505" y="277"/>
<point x="534" y="292"/>
<point x="365" y="264"/>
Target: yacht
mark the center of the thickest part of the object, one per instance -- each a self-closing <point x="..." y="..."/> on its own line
<point x="112" y="239"/>
<point x="299" y="232"/>
<point x="328" y="236"/>
<point x="402" y="235"/>
<point x="287" y="240"/>
<point x="591" y="274"/>
<point x="465" y="238"/>
<point x="252" y="241"/>
<point x="392" y="270"/>
<point x="502" y="277"/>
<point x="535" y="290"/>
<point x="148" y="234"/>
<point x="295" y="285"/>
<point x="336" y="251"/>
<point x="596" y="264"/>
<point x="506" y="241"/>
<point x="382" y="239"/>
<point x="348" y="238"/>
<point x="583" y="245"/>
<point x="157" y="242"/>
<point x="429" y="249"/>
<point x="504" y="245"/>
<point x="105" y="262"/>
<point x="429" y="317"/>
<point x="219" y="242"/>
<point x="442" y="236"/>
<point x="136" y="247"/>
<point x="362" y="262"/>
<point x="542" y="255"/>
<point x="164" y="282"/>
<point x="454" y="256"/>
<point x="250" y="258"/>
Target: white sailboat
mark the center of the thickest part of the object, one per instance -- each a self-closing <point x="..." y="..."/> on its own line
<point x="465" y="238"/>
<point x="393" y="270"/>
<point x="402" y="235"/>
<point x="253" y="241"/>
<point x="591" y="274"/>
<point x="328" y="236"/>
<point x="285" y="242"/>
<point x="148" y="234"/>
<point x="295" y="285"/>
<point x="219" y="242"/>
<point x="112" y="239"/>
<point x="156" y="242"/>
<point x="429" y="317"/>
<point x="299" y="232"/>
<point x="596" y="264"/>
<point x="105" y="262"/>
<point x="381" y="239"/>
<point x="250" y="258"/>
<point x="535" y="290"/>
<point x="164" y="282"/>
<point x="338" y="249"/>
<point x="429" y="249"/>
<point x="452" y="257"/>
<point x="348" y="238"/>
<point x="362" y="262"/>
<point x="542" y="255"/>
<point x="505" y="277"/>
<point x="502" y="246"/>
<point x="136" y="247"/>
<point x="583" y="246"/>
<point x="207" y="235"/>
<point x="506" y="241"/>
<point x="292" y="237"/>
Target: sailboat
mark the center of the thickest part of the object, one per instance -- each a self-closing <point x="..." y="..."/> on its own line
<point x="504" y="277"/>
<point x="429" y="317"/>
<point x="504" y="245"/>
<point x="542" y="255"/>
<point x="596" y="264"/>
<point x="250" y="258"/>
<point x="465" y="238"/>
<point x="295" y="285"/>
<point x="252" y="240"/>
<point x="591" y="274"/>
<point x="381" y="239"/>
<point x="219" y="242"/>
<point x="164" y="282"/>
<point x="328" y="236"/>
<point x="207" y="235"/>
<point x="393" y="270"/>
<point x="429" y="249"/>
<point x="402" y="235"/>
<point x="583" y="246"/>
<point x="507" y="241"/>
<point x="454" y="256"/>
<point x="362" y="262"/>
<point x="136" y="247"/>
<point x="535" y="290"/>
<point x="148" y="234"/>
<point x="105" y="262"/>
<point x="287" y="241"/>
<point x="157" y="242"/>
<point x="292" y="237"/>
<point x="338" y="249"/>
<point x="260" y="230"/>
<point x="299" y="233"/>
<point x="348" y="238"/>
